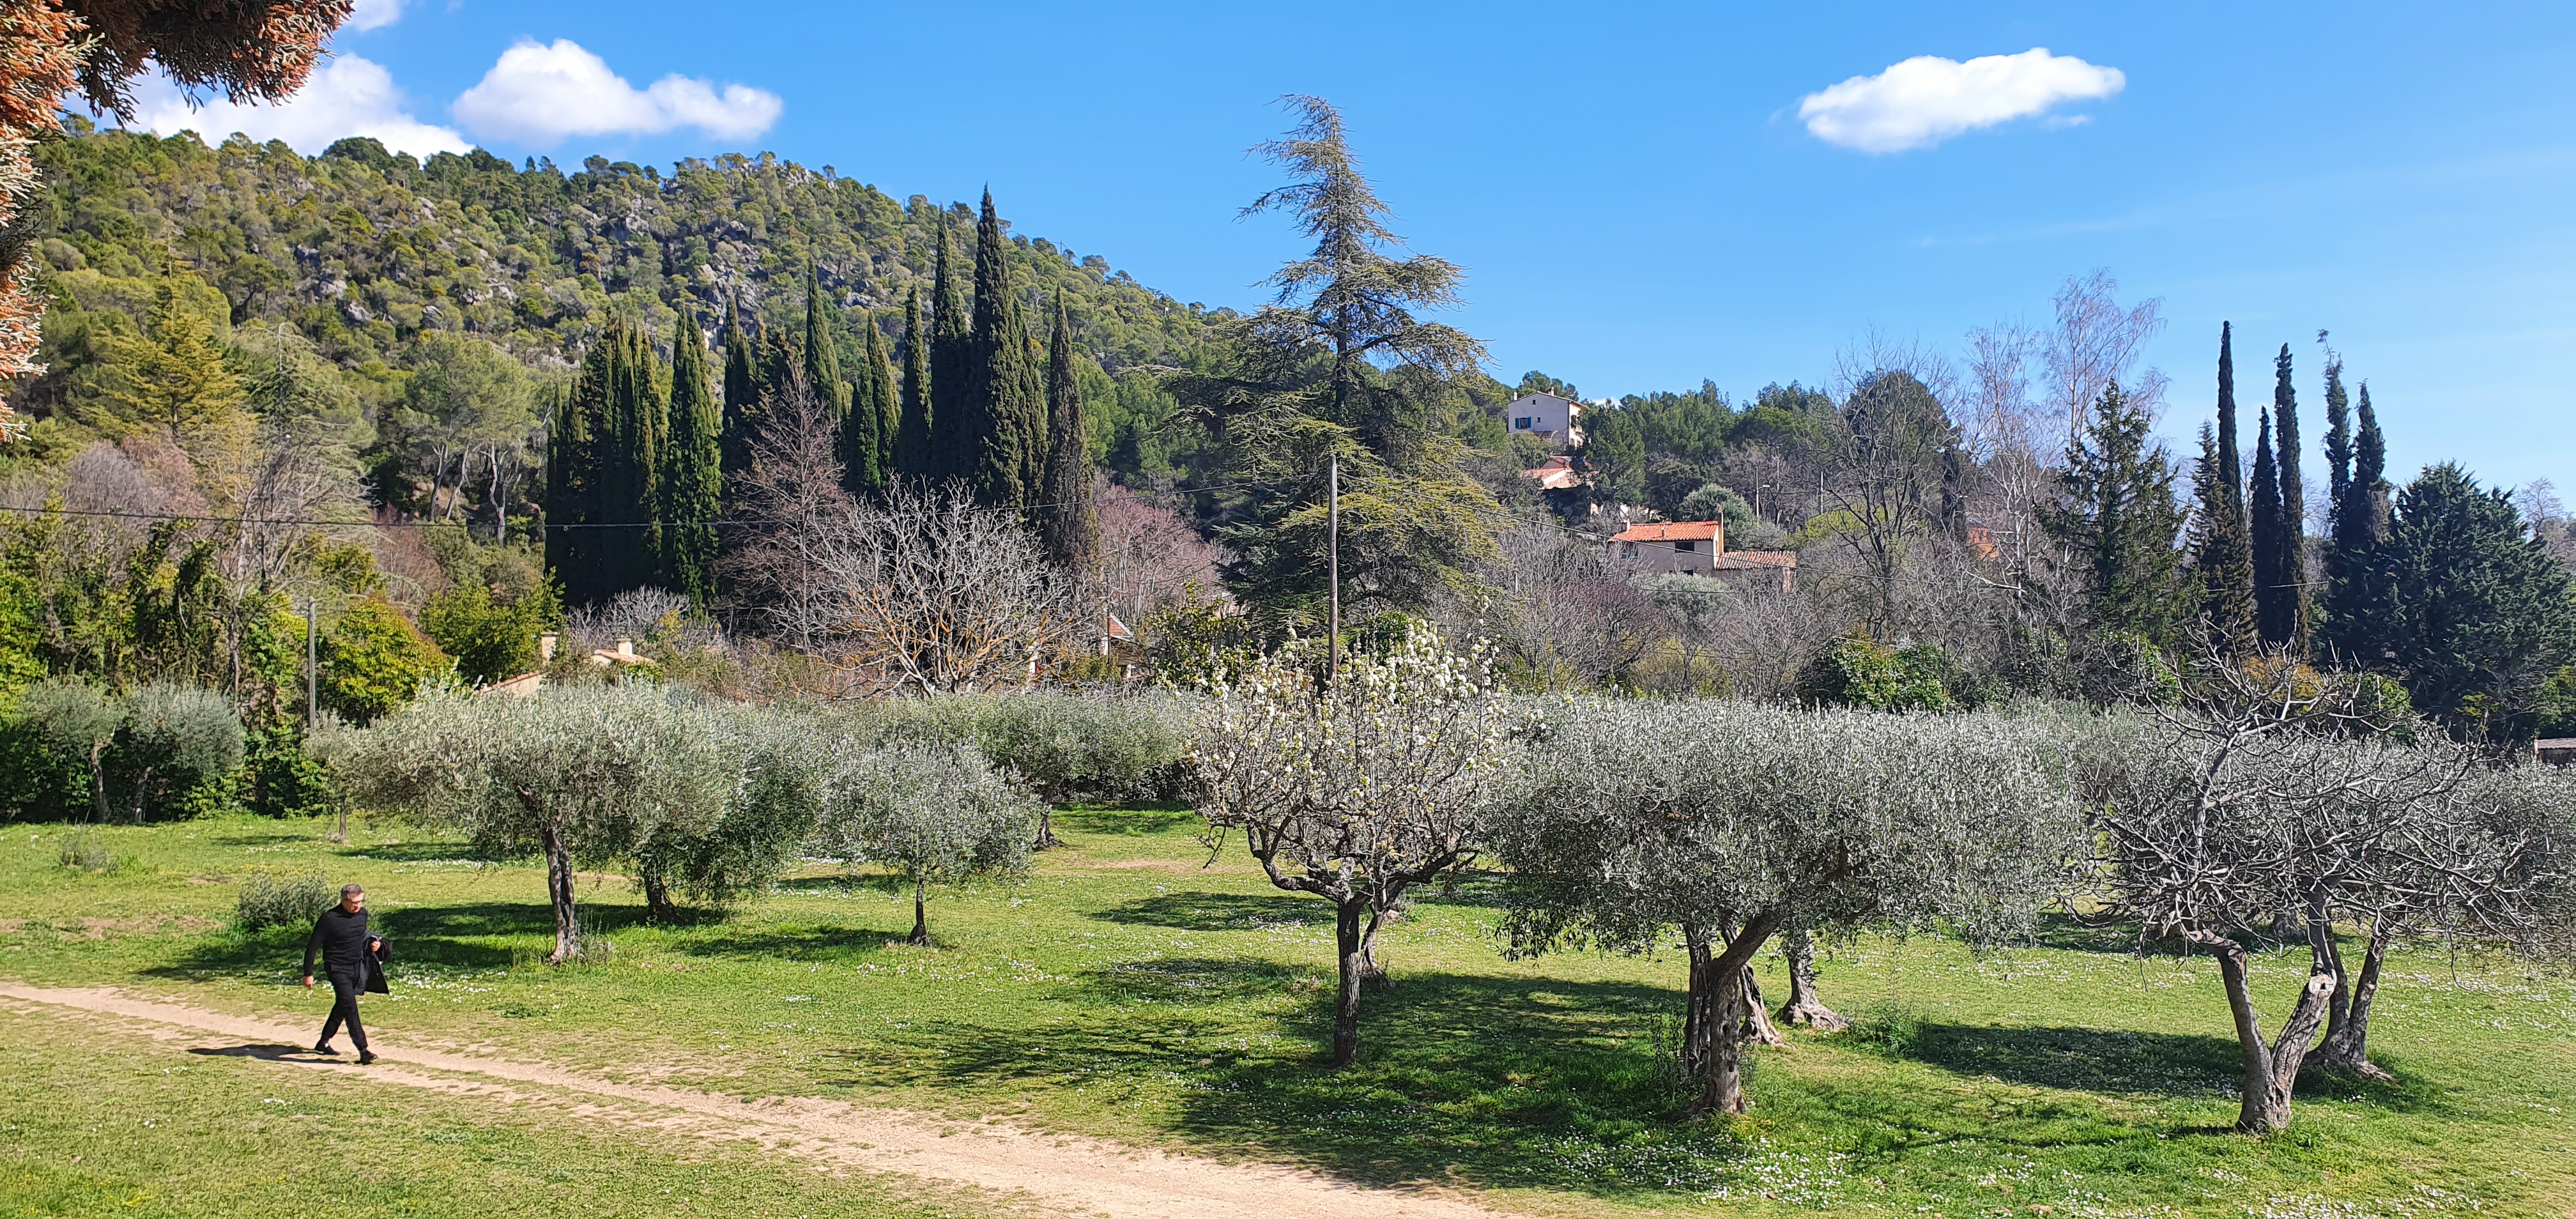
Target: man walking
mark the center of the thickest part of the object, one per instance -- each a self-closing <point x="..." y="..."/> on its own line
<point x="340" y="935"/>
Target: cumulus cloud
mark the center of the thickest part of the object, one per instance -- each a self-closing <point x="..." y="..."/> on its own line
<point x="348" y="96"/>
<point x="374" y="14"/>
<point x="538" y="94"/>
<point x="1928" y="99"/>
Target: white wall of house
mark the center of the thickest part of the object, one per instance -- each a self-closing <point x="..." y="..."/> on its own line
<point x="1543" y="415"/>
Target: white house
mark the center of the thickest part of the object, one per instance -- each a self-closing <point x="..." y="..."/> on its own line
<point x="1546" y="416"/>
<point x="1698" y="548"/>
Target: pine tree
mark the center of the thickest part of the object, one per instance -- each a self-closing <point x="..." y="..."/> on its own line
<point x="2360" y="602"/>
<point x="879" y="378"/>
<point x="2120" y="519"/>
<point x="692" y="480"/>
<point x="741" y="391"/>
<point x="2222" y="554"/>
<point x="2292" y="525"/>
<point x="2275" y="612"/>
<point x="2483" y="615"/>
<point x="1068" y="525"/>
<point x="1006" y="397"/>
<point x="956" y="415"/>
<point x="912" y="451"/>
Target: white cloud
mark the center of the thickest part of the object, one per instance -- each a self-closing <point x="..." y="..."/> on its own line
<point x="374" y="14"/>
<point x="539" y="94"/>
<point x="1928" y="99"/>
<point x="348" y="96"/>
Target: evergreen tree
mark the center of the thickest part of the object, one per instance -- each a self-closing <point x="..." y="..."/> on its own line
<point x="879" y="377"/>
<point x="2338" y="436"/>
<point x="781" y="364"/>
<point x="2120" y="519"/>
<point x="572" y="475"/>
<point x="2222" y="553"/>
<point x="822" y="354"/>
<point x="630" y="464"/>
<point x="692" y="471"/>
<point x="1068" y="525"/>
<point x="956" y="415"/>
<point x="741" y="391"/>
<point x="2231" y="467"/>
<point x="912" y="451"/>
<point x="2292" y="525"/>
<point x="2275" y="611"/>
<point x="862" y="440"/>
<point x="1006" y="394"/>
<point x="2483" y="615"/>
<point x="2361" y="602"/>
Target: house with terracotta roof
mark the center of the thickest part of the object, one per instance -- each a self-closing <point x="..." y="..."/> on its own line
<point x="1555" y="474"/>
<point x="1698" y="548"/>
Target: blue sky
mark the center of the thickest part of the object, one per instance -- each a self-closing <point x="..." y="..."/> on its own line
<point x="1632" y="189"/>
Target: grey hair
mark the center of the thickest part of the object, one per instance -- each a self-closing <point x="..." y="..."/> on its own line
<point x="350" y="890"/>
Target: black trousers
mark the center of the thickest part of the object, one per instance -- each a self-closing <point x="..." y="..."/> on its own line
<point x="345" y="988"/>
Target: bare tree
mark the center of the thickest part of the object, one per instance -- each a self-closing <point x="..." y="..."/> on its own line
<point x="1562" y="609"/>
<point x="926" y="593"/>
<point x="1149" y="554"/>
<point x="1357" y="791"/>
<point x="1884" y="468"/>
<point x="2253" y="796"/>
<point x="793" y="490"/>
<point x="2096" y="342"/>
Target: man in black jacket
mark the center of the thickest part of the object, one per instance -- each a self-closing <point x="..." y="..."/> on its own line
<point x="340" y="936"/>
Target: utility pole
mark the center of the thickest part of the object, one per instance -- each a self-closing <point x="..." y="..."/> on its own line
<point x="312" y="678"/>
<point x="1333" y="560"/>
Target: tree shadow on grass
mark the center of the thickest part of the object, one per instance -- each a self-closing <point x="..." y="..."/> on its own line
<point x="1197" y="910"/>
<point x="418" y="852"/>
<point x="2118" y="1061"/>
<point x="810" y="944"/>
<point x="1124" y="822"/>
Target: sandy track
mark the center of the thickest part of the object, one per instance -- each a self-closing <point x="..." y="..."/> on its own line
<point x="1070" y="1174"/>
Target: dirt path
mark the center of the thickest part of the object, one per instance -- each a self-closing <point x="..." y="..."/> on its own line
<point x="1075" y="1175"/>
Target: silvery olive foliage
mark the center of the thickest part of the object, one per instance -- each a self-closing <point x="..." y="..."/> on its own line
<point x="1732" y="822"/>
<point x="934" y="814"/>
<point x="1358" y="789"/>
<point x="583" y="775"/>
<point x="173" y="737"/>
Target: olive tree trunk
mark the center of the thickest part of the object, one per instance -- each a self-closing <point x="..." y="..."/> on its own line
<point x="1803" y="1007"/>
<point x="1046" y="828"/>
<point x="1722" y="1064"/>
<point x="2272" y="1069"/>
<point x="2347" y="1043"/>
<point x="559" y="891"/>
<point x="657" y="889"/>
<point x="920" y="913"/>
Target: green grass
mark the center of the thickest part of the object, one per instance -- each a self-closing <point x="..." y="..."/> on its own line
<point x="1128" y="991"/>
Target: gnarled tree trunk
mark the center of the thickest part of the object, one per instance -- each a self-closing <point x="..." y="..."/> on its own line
<point x="657" y="889"/>
<point x="1046" y="828"/>
<point x="1349" y="940"/>
<point x="920" y="913"/>
<point x="559" y="890"/>
<point x="1377" y="921"/>
<point x="1803" y="1006"/>
<point x="2272" y="1069"/>
<point x="2347" y="1043"/>
<point x="1722" y="1068"/>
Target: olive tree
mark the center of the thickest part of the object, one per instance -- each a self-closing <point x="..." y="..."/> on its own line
<point x="578" y="774"/>
<point x="80" y="720"/>
<point x="1082" y="746"/>
<point x="173" y="737"/>
<point x="2270" y="787"/>
<point x="1734" y="823"/>
<point x="1358" y="789"/>
<point x="933" y="814"/>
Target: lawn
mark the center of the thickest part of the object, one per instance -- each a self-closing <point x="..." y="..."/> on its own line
<point x="1129" y="990"/>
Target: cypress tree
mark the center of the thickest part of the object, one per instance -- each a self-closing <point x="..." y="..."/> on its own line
<point x="1068" y="525"/>
<point x="862" y="441"/>
<point x="625" y="406"/>
<point x="2275" y="612"/>
<point x="822" y="354"/>
<point x="781" y="358"/>
<point x="741" y="391"/>
<point x="2120" y="519"/>
<point x="2360" y="601"/>
<point x="692" y="471"/>
<point x="2292" y="525"/>
<point x="2231" y="468"/>
<point x="2338" y="436"/>
<point x="879" y="378"/>
<point x="956" y="413"/>
<point x="2222" y="554"/>
<point x="1005" y="442"/>
<point x="912" y="451"/>
<point x="572" y="476"/>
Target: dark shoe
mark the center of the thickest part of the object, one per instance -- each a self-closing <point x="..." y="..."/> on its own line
<point x="323" y="1047"/>
<point x="365" y="1057"/>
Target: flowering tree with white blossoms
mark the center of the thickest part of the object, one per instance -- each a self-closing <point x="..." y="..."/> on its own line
<point x="1359" y="789"/>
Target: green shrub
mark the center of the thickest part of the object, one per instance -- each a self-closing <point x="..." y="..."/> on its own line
<point x="86" y="850"/>
<point x="271" y="900"/>
<point x="284" y="780"/>
<point x="490" y="638"/>
<point x="374" y="661"/>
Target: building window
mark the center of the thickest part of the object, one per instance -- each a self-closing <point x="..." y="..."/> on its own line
<point x="1686" y="547"/>
<point x="1521" y="423"/>
<point x="1627" y="550"/>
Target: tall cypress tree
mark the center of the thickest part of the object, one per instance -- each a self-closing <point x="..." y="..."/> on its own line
<point x="2222" y="554"/>
<point x="1068" y="525"/>
<point x="2338" y="436"/>
<point x="2120" y="519"/>
<point x="627" y="403"/>
<point x="2361" y="599"/>
<point x="912" y="452"/>
<point x="822" y="354"/>
<point x="2231" y="467"/>
<point x="2293" y="523"/>
<point x="1005" y="440"/>
<point x="572" y="475"/>
<point x="692" y="471"/>
<point x="741" y="391"/>
<point x="879" y="378"/>
<point x="862" y="440"/>
<point x="781" y="361"/>
<point x="956" y="412"/>
<point x="2275" y="611"/>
